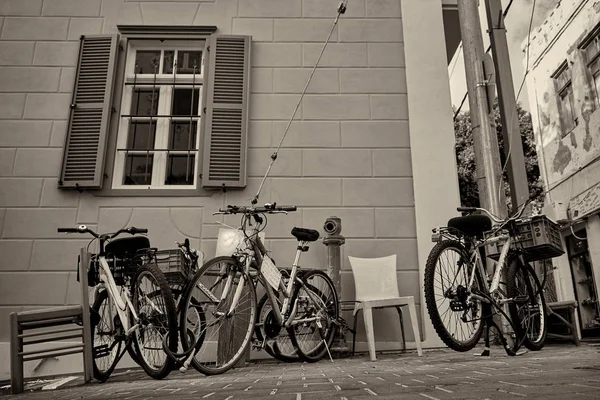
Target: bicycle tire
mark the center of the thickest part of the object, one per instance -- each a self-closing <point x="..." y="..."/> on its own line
<point x="330" y="306"/>
<point x="162" y="321"/>
<point x="437" y="320"/>
<point x="215" y="356"/>
<point x="533" y="338"/>
<point x="103" y="372"/>
<point x="281" y="348"/>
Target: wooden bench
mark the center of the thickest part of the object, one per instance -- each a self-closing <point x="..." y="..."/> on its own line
<point x="51" y="325"/>
<point x="570" y="307"/>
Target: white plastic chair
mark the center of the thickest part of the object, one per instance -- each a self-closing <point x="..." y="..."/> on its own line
<point x="376" y="286"/>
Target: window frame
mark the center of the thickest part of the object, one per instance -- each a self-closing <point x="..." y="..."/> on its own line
<point x="565" y="90"/>
<point x="592" y="63"/>
<point x="130" y="33"/>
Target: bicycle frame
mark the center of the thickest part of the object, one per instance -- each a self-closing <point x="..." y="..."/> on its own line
<point x="492" y="289"/>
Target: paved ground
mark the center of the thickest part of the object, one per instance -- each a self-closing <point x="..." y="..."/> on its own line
<point x="557" y="372"/>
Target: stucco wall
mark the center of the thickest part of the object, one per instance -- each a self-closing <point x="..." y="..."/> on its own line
<point x="348" y="154"/>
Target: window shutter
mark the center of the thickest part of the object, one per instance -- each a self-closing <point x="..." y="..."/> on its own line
<point x="87" y="132"/>
<point x="226" y="112"/>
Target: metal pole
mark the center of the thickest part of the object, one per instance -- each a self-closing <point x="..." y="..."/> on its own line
<point x="487" y="156"/>
<point x="511" y="133"/>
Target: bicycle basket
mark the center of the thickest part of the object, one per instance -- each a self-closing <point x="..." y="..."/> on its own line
<point x="538" y="236"/>
<point x="174" y="266"/>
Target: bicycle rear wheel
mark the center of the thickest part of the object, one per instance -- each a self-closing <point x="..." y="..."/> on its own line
<point x="106" y="348"/>
<point x="528" y="312"/>
<point x="153" y="303"/>
<point x="225" y="336"/>
<point x="317" y="308"/>
<point x="457" y="319"/>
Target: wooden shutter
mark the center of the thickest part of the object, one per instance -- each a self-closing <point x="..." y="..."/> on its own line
<point x="87" y="132"/>
<point x="226" y="112"/>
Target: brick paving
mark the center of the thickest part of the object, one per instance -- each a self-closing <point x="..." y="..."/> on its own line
<point x="558" y="371"/>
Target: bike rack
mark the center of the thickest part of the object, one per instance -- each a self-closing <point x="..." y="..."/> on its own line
<point x="45" y="326"/>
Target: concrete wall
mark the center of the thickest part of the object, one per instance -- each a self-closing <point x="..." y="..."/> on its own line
<point x="348" y="154"/>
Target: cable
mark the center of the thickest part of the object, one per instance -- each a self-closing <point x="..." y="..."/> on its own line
<point x="461" y="104"/>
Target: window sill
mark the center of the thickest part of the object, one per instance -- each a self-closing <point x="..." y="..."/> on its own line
<point x="201" y="192"/>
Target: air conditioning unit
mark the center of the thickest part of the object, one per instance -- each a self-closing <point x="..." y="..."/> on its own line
<point x="556" y="211"/>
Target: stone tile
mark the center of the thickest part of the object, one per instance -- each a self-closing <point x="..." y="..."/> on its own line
<point x="7" y="161"/>
<point x="16" y="255"/>
<point x="389" y="106"/>
<point x="392" y="162"/>
<point x="259" y="134"/>
<point x="16" y="53"/>
<point x="383" y="8"/>
<point x="47" y="162"/>
<point x="356" y="222"/>
<point x="378" y="192"/>
<point x="59" y="133"/>
<point x="395" y="222"/>
<point x="218" y="13"/>
<point x="240" y="197"/>
<point x="334" y="162"/>
<point x="47" y="106"/>
<point x="168" y="13"/>
<point x="293" y="80"/>
<point x="261" y="80"/>
<point x="11" y="105"/>
<point x="375" y="134"/>
<point x="37" y="223"/>
<point x="261" y="29"/>
<point x="67" y="80"/>
<point x="17" y="28"/>
<point x="325" y="9"/>
<point x="373" y="80"/>
<point x="5" y="327"/>
<point x="25" y="133"/>
<point x="346" y="107"/>
<point x="84" y="26"/>
<point x="370" y="30"/>
<point x="277" y="55"/>
<point x="68" y="8"/>
<point x="405" y="249"/>
<point x="52" y="196"/>
<point x="386" y="54"/>
<point x="270" y="8"/>
<point x="289" y="162"/>
<point x="303" y="30"/>
<point x="274" y="106"/>
<point x="57" y="255"/>
<point x="335" y="55"/>
<point x="56" y="54"/>
<point x="20" y="192"/>
<point x="117" y="12"/>
<point x="29" y="79"/>
<point x="37" y="293"/>
<point x="312" y="192"/>
<point x="21" y="7"/>
<point x="307" y="134"/>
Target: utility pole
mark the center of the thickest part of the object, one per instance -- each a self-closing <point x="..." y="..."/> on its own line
<point x="517" y="176"/>
<point x="485" y="142"/>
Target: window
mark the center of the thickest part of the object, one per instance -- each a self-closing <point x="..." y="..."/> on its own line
<point x="159" y="128"/>
<point x="177" y="119"/>
<point x="591" y="49"/>
<point x="562" y="80"/>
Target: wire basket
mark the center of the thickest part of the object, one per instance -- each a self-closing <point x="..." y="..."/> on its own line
<point x="174" y="265"/>
<point x="538" y="237"/>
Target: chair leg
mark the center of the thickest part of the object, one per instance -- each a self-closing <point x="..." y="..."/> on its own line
<point x="399" y="309"/>
<point x="354" y="329"/>
<point x="368" y="317"/>
<point x="415" y="325"/>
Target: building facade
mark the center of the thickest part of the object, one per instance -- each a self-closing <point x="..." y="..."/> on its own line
<point x="564" y="92"/>
<point x="116" y="113"/>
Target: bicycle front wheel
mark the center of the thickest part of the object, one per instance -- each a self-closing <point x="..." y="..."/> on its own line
<point x="316" y="308"/>
<point x="222" y="334"/>
<point x="153" y="303"/>
<point x="106" y="347"/>
<point x="456" y="317"/>
<point x="528" y="308"/>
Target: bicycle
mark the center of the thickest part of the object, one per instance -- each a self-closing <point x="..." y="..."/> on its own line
<point x="470" y="297"/>
<point x="223" y="291"/>
<point x="138" y="318"/>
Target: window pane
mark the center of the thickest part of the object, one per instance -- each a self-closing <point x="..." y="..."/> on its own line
<point x="168" y="62"/>
<point x="183" y="135"/>
<point x="138" y="170"/>
<point x="188" y="62"/>
<point x="597" y="85"/>
<point x="180" y="170"/>
<point x="184" y="104"/>
<point x="147" y="62"/>
<point x="144" y="102"/>
<point x="141" y="135"/>
<point x="566" y="110"/>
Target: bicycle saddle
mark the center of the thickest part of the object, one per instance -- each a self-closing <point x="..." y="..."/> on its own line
<point x="306" y="235"/>
<point x="127" y="246"/>
<point x="471" y="225"/>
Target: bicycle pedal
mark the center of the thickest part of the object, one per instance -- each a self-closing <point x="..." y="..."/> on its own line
<point x="457" y="305"/>
<point x="100" y="351"/>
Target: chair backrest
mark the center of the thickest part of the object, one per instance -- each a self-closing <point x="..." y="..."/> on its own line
<point x="375" y="278"/>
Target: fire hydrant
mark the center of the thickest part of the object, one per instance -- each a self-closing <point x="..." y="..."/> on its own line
<point x="333" y="241"/>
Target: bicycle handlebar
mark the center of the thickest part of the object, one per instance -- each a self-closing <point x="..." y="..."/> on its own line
<point x="84" y="229"/>
<point x="268" y="208"/>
